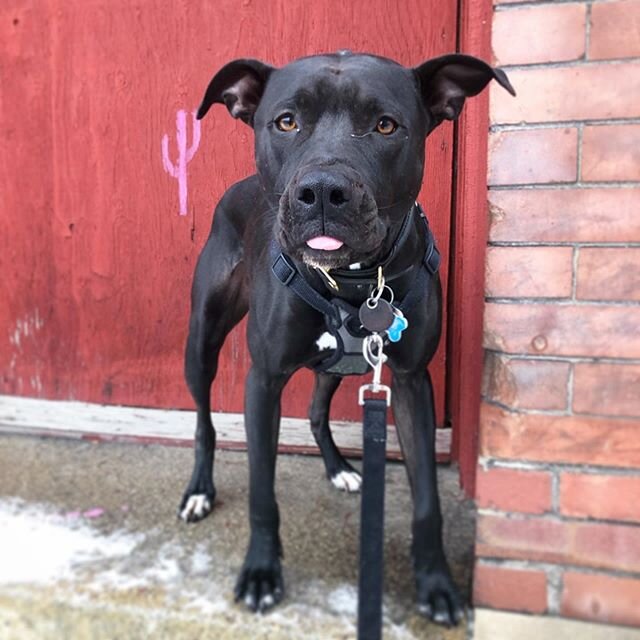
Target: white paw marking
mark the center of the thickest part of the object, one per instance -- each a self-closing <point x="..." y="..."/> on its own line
<point x="267" y="601"/>
<point x="326" y="341"/>
<point x="441" y="617"/>
<point x="349" y="481"/>
<point x="197" y="505"/>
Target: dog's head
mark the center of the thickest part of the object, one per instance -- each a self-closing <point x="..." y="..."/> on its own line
<point x="339" y="142"/>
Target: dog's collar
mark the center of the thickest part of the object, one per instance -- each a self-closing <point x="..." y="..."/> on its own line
<point x="369" y="275"/>
<point x="399" y="271"/>
<point x="355" y="286"/>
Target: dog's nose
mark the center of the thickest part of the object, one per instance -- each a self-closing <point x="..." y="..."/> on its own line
<point x="322" y="192"/>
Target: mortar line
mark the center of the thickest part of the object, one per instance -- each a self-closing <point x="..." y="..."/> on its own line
<point x="555" y="492"/>
<point x="557" y="124"/>
<point x="564" y="243"/>
<point x="563" y="302"/>
<point x="574" y="272"/>
<point x="569" y="64"/>
<point x="567" y="467"/>
<point x="578" y="184"/>
<point x="536" y="3"/>
<point x="587" y="31"/>
<point x="554" y="589"/>
<point x="571" y="387"/>
<point x="556" y="413"/>
<point x="511" y="563"/>
<point x="580" y="129"/>
<point x="565" y="358"/>
<point x="556" y="518"/>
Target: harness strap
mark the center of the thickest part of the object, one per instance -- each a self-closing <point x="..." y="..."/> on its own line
<point x="371" y="574"/>
<point x="432" y="257"/>
<point x="431" y="263"/>
<point x="291" y="277"/>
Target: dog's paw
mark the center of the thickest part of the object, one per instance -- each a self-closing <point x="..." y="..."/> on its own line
<point x="260" y="587"/>
<point x="347" y="480"/>
<point x="196" y="506"/>
<point x="438" y="597"/>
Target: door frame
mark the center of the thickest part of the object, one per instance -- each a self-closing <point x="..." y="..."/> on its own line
<point x="469" y="234"/>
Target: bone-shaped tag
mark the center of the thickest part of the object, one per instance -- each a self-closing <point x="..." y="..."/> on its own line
<point x="400" y="323"/>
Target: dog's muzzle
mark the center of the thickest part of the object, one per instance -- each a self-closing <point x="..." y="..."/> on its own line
<point x="328" y="217"/>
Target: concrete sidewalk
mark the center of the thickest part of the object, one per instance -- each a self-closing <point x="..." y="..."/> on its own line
<point x="90" y="547"/>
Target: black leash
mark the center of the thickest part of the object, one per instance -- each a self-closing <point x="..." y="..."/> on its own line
<point x="374" y="441"/>
<point x="370" y="587"/>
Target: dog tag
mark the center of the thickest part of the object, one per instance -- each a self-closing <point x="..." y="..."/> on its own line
<point x="398" y="325"/>
<point x="376" y="315"/>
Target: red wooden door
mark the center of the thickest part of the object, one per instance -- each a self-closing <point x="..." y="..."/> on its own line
<point x="101" y="157"/>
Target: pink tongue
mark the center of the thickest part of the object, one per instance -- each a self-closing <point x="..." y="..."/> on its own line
<point x="325" y="243"/>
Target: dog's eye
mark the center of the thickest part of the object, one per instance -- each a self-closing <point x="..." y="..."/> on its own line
<point x="386" y="126"/>
<point x="286" y="122"/>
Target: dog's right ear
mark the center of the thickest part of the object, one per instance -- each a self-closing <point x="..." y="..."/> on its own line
<point x="239" y="85"/>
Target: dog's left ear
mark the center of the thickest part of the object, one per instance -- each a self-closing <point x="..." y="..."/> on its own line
<point x="239" y="85"/>
<point x="446" y="81"/>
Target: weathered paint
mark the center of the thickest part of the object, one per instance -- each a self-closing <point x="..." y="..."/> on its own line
<point x="89" y="234"/>
<point x="105" y="423"/>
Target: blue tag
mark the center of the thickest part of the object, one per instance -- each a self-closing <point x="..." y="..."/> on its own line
<point x="394" y="332"/>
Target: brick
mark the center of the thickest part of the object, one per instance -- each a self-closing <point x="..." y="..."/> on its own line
<point x="511" y="589"/>
<point x="560" y="329"/>
<point x="589" y="544"/>
<point x="615" y="30"/>
<point x="529" y="272"/>
<point x="610" y="389"/>
<point x="581" y="92"/>
<point x="608" y="274"/>
<point x="513" y="490"/>
<point x="611" y="152"/>
<point x="611" y="442"/>
<point x="533" y="156"/>
<point x="534" y="539"/>
<point x="565" y="215"/>
<point x="526" y="384"/>
<point x="546" y="33"/>
<point x="599" y="597"/>
<point x="602" y="497"/>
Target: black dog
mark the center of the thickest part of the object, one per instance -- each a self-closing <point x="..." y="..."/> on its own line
<point x="339" y="148"/>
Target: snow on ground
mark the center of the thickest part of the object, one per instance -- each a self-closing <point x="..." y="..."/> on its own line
<point x="40" y="546"/>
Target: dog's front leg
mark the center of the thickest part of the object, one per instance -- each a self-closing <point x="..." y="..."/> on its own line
<point x="413" y="409"/>
<point x="260" y="584"/>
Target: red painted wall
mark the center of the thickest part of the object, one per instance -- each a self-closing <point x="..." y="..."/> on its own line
<point x="96" y="260"/>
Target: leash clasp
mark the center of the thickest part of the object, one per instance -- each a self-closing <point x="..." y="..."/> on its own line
<point x="372" y="351"/>
<point x="374" y="388"/>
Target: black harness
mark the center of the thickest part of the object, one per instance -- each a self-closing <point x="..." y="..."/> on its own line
<point x="337" y="306"/>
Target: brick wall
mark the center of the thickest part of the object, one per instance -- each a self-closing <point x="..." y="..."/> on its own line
<point x="558" y="484"/>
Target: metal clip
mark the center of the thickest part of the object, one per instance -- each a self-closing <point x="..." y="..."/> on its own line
<point x="372" y="301"/>
<point x="330" y="280"/>
<point x="372" y="351"/>
<point x="376" y="294"/>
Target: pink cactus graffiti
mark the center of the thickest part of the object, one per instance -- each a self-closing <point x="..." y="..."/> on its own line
<point x="185" y="155"/>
